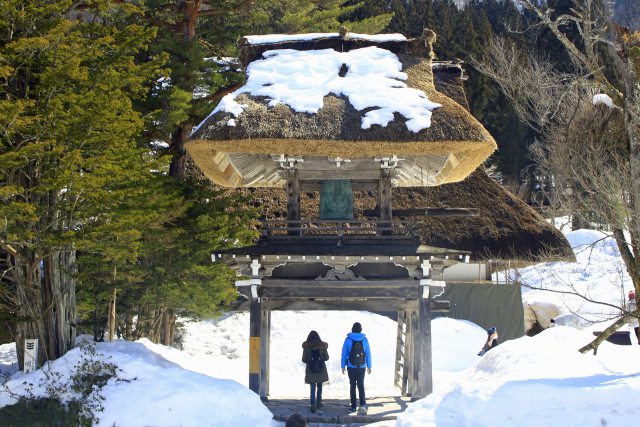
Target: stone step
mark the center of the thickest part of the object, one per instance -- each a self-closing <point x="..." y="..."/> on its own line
<point x="336" y="411"/>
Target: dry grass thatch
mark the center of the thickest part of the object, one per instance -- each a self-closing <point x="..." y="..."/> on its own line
<point x="335" y="130"/>
<point x="506" y="229"/>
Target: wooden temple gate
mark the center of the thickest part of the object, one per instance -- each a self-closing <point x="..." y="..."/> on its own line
<point x="336" y="262"/>
<point x="374" y="265"/>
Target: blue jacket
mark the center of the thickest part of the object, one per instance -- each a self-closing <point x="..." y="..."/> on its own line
<point x="346" y="349"/>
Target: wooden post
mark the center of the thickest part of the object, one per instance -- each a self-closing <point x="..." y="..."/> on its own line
<point x="293" y="197"/>
<point x="384" y="198"/>
<point x="425" y="373"/>
<point x="420" y="374"/>
<point x="255" y="328"/>
<point x="413" y="355"/>
<point x="265" y="341"/>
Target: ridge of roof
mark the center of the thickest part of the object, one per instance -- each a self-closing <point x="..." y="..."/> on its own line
<point x="342" y="41"/>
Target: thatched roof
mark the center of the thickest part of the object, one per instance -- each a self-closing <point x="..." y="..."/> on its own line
<point x="238" y="150"/>
<point x="506" y="229"/>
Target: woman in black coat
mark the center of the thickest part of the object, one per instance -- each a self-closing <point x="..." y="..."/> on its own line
<point x="314" y="354"/>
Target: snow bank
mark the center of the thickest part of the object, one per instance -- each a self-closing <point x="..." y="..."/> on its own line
<point x="158" y="392"/>
<point x="301" y="80"/>
<point x="572" y="320"/>
<point x="538" y="381"/>
<point x="455" y="344"/>
<point x="532" y="381"/>
<point x="599" y="274"/>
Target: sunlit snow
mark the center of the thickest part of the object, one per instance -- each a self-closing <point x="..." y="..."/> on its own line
<point x="532" y="381"/>
<point x="372" y="78"/>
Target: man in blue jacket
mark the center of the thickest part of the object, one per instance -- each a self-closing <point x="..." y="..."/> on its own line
<point x="356" y="355"/>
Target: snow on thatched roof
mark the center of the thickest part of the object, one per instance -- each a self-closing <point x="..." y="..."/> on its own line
<point x="370" y="78"/>
<point x="281" y="38"/>
<point x="340" y="96"/>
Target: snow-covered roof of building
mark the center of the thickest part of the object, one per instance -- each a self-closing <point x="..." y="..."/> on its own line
<point x="280" y="38"/>
<point x="338" y="95"/>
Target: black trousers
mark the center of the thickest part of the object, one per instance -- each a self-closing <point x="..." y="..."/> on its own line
<point x="356" y="379"/>
<point x="313" y="387"/>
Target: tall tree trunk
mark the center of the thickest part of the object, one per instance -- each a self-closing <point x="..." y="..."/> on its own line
<point x="128" y="325"/>
<point x="632" y="126"/>
<point x="98" y="325"/>
<point x="168" y="322"/>
<point x="46" y="303"/>
<point x="154" y="331"/>
<point x="112" y="316"/>
<point x="191" y="12"/>
<point x="630" y="253"/>
<point x="178" y="162"/>
<point x="172" y="337"/>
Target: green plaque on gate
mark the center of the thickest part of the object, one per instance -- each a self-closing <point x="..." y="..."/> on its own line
<point x="336" y="199"/>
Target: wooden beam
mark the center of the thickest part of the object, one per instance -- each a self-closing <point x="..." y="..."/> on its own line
<point x="440" y="306"/>
<point x="321" y="175"/>
<point x="356" y="185"/>
<point x="428" y="212"/>
<point x="380" y="304"/>
<point x="446" y="212"/>
<point x="425" y="364"/>
<point x="406" y="292"/>
<point x="339" y="284"/>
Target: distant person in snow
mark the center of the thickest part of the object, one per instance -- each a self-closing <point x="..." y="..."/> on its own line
<point x="356" y="355"/>
<point x="315" y="354"/>
<point x="296" y="420"/>
<point x="631" y="307"/>
<point x="492" y="340"/>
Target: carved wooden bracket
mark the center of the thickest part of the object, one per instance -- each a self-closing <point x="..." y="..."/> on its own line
<point x="336" y="274"/>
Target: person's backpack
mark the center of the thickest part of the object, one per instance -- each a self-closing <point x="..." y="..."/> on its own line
<point x="356" y="355"/>
<point x="315" y="362"/>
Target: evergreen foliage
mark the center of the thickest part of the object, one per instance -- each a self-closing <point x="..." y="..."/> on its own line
<point x="79" y="182"/>
<point x="67" y="148"/>
<point x="298" y="16"/>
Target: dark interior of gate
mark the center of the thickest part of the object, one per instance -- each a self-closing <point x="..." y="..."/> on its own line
<point x="331" y="237"/>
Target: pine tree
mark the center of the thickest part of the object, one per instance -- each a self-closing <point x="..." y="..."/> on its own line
<point x="67" y="149"/>
<point x="180" y="279"/>
<point x="178" y="102"/>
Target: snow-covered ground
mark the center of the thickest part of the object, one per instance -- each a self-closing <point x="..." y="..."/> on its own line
<point x="587" y="291"/>
<point x="538" y="381"/>
<point x="532" y="381"/>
